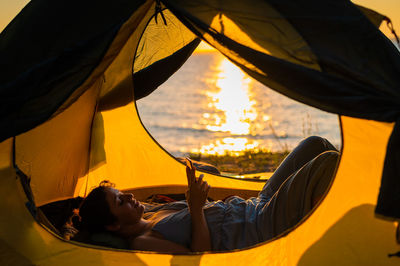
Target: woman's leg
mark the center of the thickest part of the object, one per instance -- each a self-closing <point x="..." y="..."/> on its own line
<point x="307" y="150"/>
<point x="296" y="196"/>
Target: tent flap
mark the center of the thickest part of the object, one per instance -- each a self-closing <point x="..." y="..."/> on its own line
<point x="148" y="79"/>
<point x="389" y="193"/>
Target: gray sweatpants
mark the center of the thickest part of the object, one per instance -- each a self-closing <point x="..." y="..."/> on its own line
<point x="304" y="175"/>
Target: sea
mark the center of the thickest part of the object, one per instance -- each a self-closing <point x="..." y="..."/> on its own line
<point x="210" y="106"/>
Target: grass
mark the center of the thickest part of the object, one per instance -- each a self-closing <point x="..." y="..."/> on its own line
<point x="249" y="162"/>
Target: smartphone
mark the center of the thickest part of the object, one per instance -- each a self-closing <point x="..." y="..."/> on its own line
<point x="189" y="163"/>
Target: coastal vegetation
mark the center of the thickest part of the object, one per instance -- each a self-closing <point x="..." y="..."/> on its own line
<point x="248" y="162"/>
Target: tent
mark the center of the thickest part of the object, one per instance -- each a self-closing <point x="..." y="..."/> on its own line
<point x="71" y="70"/>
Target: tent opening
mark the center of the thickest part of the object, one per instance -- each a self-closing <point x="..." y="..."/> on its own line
<point x="227" y="119"/>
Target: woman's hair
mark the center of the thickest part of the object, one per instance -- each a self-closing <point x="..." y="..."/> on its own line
<point x="94" y="211"/>
<point x="93" y="215"/>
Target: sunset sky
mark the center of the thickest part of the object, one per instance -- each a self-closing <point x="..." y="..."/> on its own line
<point x="391" y="8"/>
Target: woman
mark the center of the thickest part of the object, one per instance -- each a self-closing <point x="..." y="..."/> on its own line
<point x="197" y="225"/>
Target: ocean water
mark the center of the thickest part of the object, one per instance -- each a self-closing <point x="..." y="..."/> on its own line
<point x="211" y="106"/>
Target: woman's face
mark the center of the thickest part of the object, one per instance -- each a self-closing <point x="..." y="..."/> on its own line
<point x="124" y="207"/>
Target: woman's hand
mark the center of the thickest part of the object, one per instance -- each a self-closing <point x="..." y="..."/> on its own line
<point x="197" y="192"/>
<point x="196" y="196"/>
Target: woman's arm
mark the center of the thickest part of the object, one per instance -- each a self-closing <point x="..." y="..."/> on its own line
<point x="201" y="240"/>
<point x="196" y="197"/>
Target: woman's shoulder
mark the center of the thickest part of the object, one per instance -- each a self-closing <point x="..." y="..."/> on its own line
<point x="139" y="242"/>
<point x="153" y="241"/>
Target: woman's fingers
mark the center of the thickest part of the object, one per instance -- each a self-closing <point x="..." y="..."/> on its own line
<point x="195" y="184"/>
<point x="208" y="188"/>
<point x="190" y="172"/>
<point x="204" y="186"/>
<point x="192" y="175"/>
<point x="200" y="179"/>
<point x="189" y="180"/>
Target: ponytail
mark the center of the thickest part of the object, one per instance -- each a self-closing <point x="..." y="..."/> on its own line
<point x="69" y="229"/>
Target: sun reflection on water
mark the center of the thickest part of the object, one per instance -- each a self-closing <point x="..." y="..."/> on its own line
<point x="234" y="146"/>
<point x="232" y="110"/>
